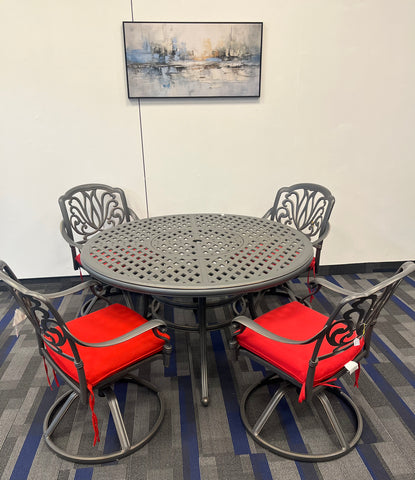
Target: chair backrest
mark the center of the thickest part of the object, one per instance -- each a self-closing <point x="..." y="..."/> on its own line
<point x="306" y="207"/>
<point x="90" y="208"/>
<point x="352" y="320"/>
<point x="50" y="329"/>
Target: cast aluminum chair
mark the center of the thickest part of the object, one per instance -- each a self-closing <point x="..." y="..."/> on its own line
<point x="87" y="210"/>
<point x="307" y="352"/>
<point x="93" y="354"/>
<point x="306" y="207"/>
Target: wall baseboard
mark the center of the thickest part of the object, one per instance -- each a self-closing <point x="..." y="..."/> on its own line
<point x="350" y="268"/>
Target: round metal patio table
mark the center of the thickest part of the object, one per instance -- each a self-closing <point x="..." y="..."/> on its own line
<point x="197" y="256"/>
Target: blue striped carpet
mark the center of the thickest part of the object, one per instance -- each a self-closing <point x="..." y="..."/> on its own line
<point x="210" y="443"/>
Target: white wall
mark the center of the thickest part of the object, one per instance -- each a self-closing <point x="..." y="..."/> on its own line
<point x="337" y="107"/>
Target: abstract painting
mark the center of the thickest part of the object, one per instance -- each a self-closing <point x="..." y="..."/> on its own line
<point x="181" y="59"/>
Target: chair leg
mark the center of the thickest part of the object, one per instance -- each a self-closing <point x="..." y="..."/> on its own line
<point x="338" y="430"/>
<point x="304" y="453"/>
<point x="269" y="409"/>
<point x="67" y="401"/>
<point x="58" y="412"/>
<point x="117" y="417"/>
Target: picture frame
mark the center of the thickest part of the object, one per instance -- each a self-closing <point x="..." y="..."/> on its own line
<point x="193" y="59"/>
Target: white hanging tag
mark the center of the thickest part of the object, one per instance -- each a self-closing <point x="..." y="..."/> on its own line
<point x="356" y="342"/>
<point x="18" y="317"/>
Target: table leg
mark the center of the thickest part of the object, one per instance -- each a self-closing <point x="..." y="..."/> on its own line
<point x="201" y="311"/>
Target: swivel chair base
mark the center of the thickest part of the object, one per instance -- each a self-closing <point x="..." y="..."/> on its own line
<point x="342" y="438"/>
<point x="57" y="413"/>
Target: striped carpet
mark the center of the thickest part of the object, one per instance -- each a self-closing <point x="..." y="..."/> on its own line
<point x="195" y="442"/>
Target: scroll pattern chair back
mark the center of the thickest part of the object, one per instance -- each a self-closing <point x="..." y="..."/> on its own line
<point x="90" y="208"/>
<point x="91" y="353"/>
<point x="310" y="352"/>
<point x="306" y="207"/>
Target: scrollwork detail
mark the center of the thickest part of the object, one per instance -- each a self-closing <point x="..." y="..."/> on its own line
<point x="49" y="329"/>
<point x="340" y="333"/>
<point x="94" y="211"/>
<point x="303" y="211"/>
<point x="355" y="320"/>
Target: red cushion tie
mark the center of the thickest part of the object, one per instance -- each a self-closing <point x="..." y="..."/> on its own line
<point x="327" y="383"/>
<point x="56" y="378"/>
<point x="46" y="371"/>
<point x="94" y="417"/>
<point x="312" y="268"/>
<point x="356" y="376"/>
<point x="47" y="374"/>
<point x="78" y="260"/>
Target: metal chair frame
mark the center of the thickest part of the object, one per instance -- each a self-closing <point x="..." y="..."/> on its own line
<point x="52" y="334"/>
<point x="355" y="315"/>
<point x="87" y="210"/>
<point x="306" y="207"/>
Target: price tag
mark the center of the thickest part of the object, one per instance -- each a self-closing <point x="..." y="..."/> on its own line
<point x="351" y="366"/>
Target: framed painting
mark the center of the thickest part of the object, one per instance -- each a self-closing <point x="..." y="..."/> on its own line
<point x="188" y="60"/>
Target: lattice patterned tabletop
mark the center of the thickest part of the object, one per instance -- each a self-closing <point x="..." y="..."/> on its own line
<point x="197" y="254"/>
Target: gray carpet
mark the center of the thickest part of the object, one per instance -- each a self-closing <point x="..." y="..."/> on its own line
<point x="195" y="442"/>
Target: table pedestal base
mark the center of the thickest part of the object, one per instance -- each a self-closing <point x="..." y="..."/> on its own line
<point x="199" y="306"/>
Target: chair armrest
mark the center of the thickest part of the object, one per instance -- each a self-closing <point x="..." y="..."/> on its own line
<point x="248" y="323"/>
<point x="67" y="238"/>
<point x="322" y="282"/>
<point x="150" y="325"/>
<point x="50" y="296"/>
<point x="72" y="290"/>
<point x="267" y="213"/>
<point x="405" y="269"/>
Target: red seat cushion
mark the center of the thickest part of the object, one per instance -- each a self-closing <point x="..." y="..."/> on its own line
<point x="100" y="326"/>
<point x="296" y="322"/>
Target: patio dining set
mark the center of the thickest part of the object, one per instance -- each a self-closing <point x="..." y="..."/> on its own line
<point x="198" y="262"/>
